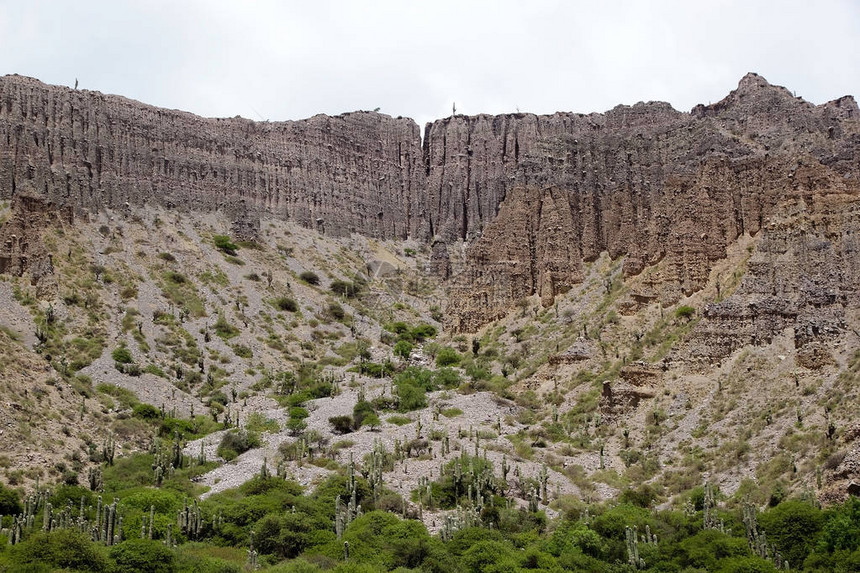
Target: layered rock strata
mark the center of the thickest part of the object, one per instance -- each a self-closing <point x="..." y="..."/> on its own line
<point x="535" y="197"/>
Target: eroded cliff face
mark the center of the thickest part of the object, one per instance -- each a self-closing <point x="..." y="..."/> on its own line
<point x="358" y="172"/>
<point x="654" y="185"/>
<point x="804" y="275"/>
<point x="535" y="197"/>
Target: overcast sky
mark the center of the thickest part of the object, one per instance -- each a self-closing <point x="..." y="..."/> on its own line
<point x="281" y="60"/>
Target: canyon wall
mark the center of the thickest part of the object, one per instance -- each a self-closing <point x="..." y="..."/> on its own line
<point x="534" y="197"/>
<point x="654" y="185"/>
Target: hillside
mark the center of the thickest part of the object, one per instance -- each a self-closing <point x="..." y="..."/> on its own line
<point x="640" y="301"/>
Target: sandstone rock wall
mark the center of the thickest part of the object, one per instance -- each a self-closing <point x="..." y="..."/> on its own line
<point x="805" y="275"/>
<point x="651" y="184"/>
<point x="534" y="197"/>
<point x="359" y="172"/>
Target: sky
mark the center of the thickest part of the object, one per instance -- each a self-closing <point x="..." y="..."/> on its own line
<point x="279" y="60"/>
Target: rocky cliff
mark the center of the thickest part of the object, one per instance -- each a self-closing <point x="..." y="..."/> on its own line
<point x="654" y="185"/>
<point x="358" y="172"/>
<point x="534" y="197"/>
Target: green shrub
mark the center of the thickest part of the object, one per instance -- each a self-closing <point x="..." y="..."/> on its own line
<point x="136" y="555"/>
<point x="423" y="332"/>
<point x="243" y="351"/>
<point x="403" y="348"/>
<point x="175" y="278"/>
<point x="10" y="504"/>
<point x="336" y="311"/>
<point x="793" y="526"/>
<point x="341" y="424"/>
<point x="122" y="355"/>
<point x="685" y="312"/>
<point x="237" y="442"/>
<point x="344" y="288"/>
<point x="61" y="549"/>
<point x="410" y="397"/>
<point x="310" y="277"/>
<point x="146" y="411"/>
<point x="447" y="356"/>
<point x="224" y="244"/>
<point x="224" y="329"/>
<point x="286" y="304"/>
<point x="362" y="410"/>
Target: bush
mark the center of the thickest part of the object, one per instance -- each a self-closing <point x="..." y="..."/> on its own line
<point x="310" y="277"/>
<point x="135" y="555"/>
<point x="341" y="424"/>
<point x="410" y="397"/>
<point x="685" y="312"/>
<point x="344" y="288"/>
<point x="793" y="526"/>
<point x="146" y="411"/>
<point x="362" y="409"/>
<point x="403" y="349"/>
<point x="10" y="504"/>
<point x="423" y="331"/>
<point x="224" y="329"/>
<point x="286" y="304"/>
<point x="336" y="311"/>
<point x="448" y="357"/>
<point x="176" y="278"/>
<point x="122" y="355"/>
<point x="224" y="244"/>
<point x="61" y="549"/>
<point x="237" y="442"/>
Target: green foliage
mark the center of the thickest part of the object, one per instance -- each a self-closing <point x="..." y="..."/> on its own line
<point x="61" y="549"/>
<point x="410" y="397"/>
<point x="122" y="355"/>
<point x="793" y="526"/>
<point x="224" y="244"/>
<point x="447" y="356"/>
<point x="685" y="312"/>
<point x="341" y="424"/>
<point x="336" y="311"/>
<point x="224" y="329"/>
<point x="310" y="277"/>
<point x="237" y="442"/>
<point x="285" y="304"/>
<point x="403" y="348"/>
<point x="10" y="504"/>
<point x="136" y="555"/>
<point x="422" y="332"/>
<point x="362" y="410"/>
<point x="146" y="412"/>
<point x="345" y="288"/>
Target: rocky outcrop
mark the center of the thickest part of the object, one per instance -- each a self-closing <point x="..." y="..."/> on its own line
<point x="22" y="251"/>
<point x="804" y="275"/>
<point x="637" y="382"/>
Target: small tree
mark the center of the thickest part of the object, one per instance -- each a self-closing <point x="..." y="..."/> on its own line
<point x="372" y="421"/>
<point x="403" y="349"/>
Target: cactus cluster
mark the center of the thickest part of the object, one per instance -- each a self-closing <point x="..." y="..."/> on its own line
<point x="106" y="527"/>
<point x="344" y="514"/>
<point x="757" y="539"/>
<point x="632" y="540"/>
<point x="189" y="521"/>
